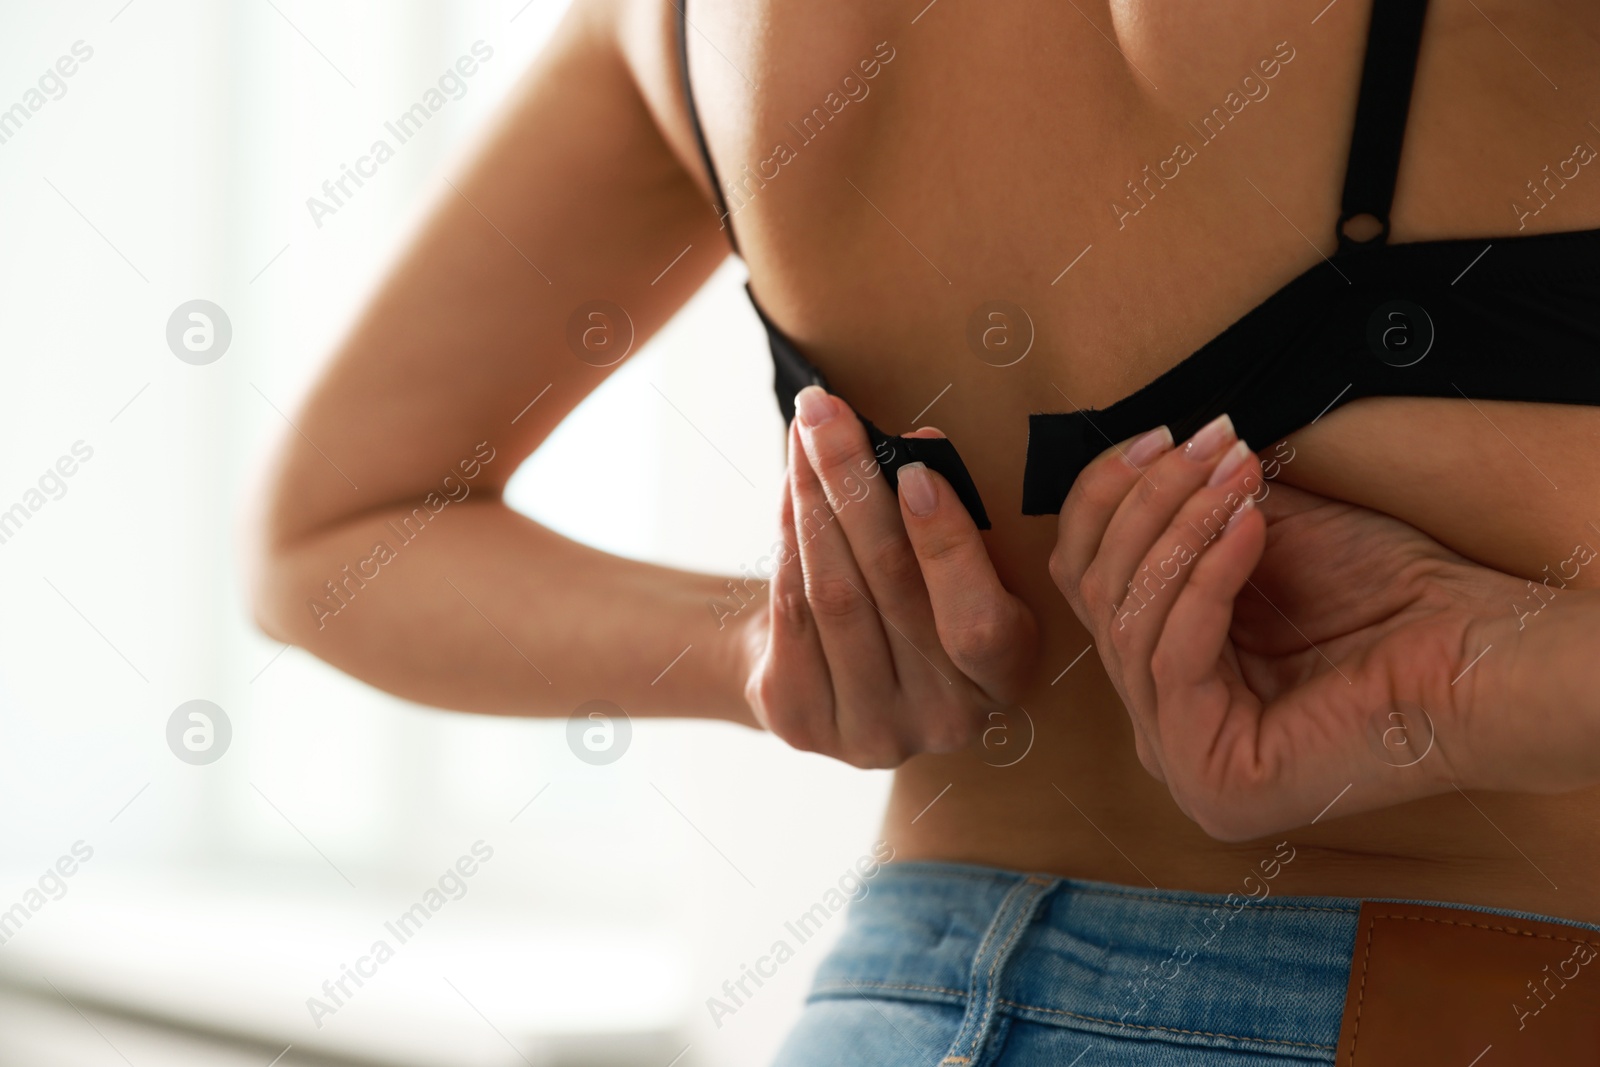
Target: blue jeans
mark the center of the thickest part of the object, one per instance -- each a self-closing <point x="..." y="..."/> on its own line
<point x="943" y="964"/>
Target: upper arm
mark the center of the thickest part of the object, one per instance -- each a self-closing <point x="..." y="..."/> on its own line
<point x="574" y="195"/>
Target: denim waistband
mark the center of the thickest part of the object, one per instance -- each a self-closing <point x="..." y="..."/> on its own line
<point x="1249" y="971"/>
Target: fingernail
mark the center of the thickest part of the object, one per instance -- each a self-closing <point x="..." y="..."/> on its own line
<point x="1209" y="439"/>
<point x="1229" y="463"/>
<point x="814" y="405"/>
<point x="1148" y="446"/>
<point x="917" y="487"/>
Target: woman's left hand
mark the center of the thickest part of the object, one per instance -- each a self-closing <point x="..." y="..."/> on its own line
<point x="1281" y="654"/>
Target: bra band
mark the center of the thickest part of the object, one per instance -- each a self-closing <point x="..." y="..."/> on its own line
<point x="1394" y="37"/>
<point x="1376" y="320"/>
<point x="792" y="372"/>
<point x="1395" y="320"/>
<point x="1272" y="381"/>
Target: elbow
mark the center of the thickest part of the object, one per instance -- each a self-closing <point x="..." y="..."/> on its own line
<point x="269" y="606"/>
<point x="270" y="583"/>
<point x="272" y="562"/>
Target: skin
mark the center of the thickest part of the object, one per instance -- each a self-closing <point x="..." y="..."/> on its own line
<point x="919" y="202"/>
<point x="1253" y="724"/>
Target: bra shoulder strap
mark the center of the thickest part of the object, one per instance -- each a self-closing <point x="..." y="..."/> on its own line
<point x="1394" y="36"/>
<point x="682" y="8"/>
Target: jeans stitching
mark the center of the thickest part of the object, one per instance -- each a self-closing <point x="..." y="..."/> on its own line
<point x="1130" y="894"/>
<point x="1019" y="923"/>
<point x="910" y="987"/>
<point x="988" y="937"/>
<point x="823" y="988"/>
<point x="1202" y="904"/>
<point x="1014" y="912"/>
<point x="1168" y="1029"/>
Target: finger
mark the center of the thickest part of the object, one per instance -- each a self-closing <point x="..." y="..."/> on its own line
<point x="1169" y="558"/>
<point x="1093" y="500"/>
<point x="1208" y="712"/>
<point x="795" y="689"/>
<point x="842" y="457"/>
<point x="989" y="635"/>
<point x="1147" y="510"/>
<point x="1165" y="572"/>
<point x="847" y="623"/>
<point x="1196" y="625"/>
<point x="1145" y="749"/>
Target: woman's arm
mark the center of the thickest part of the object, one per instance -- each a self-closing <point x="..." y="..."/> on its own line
<point x="885" y="631"/>
<point x="574" y="197"/>
<point x="1535" y="695"/>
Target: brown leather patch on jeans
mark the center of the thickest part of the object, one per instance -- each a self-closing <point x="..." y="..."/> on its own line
<point x="1463" y="988"/>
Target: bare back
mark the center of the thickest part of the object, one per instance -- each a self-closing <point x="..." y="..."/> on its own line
<point x="1005" y="152"/>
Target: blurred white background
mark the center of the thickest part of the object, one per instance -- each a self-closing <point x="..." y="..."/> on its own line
<point x="174" y="164"/>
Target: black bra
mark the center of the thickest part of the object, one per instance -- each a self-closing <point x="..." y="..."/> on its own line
<point x="1507" y="318"/>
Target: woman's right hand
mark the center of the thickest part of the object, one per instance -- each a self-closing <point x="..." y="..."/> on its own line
<point x="1277" y="658"/>
<point x="887" y="632"/>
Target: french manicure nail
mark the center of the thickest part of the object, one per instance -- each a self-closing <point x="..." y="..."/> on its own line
<point x="1148" y="446"/>
<point x="1230" y="462"/>
<point x="917" y="487"/>
<point x="814" y="405"/>
<point x="1209" y="439"/>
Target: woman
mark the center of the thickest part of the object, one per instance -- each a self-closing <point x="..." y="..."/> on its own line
<point x="1325" y="673"/>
